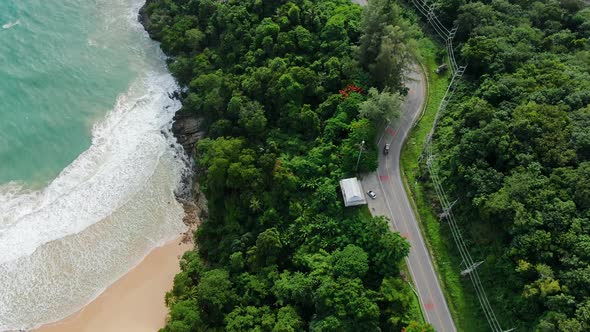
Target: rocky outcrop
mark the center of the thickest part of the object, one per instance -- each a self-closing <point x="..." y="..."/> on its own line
<point x="187" y="126"/>
<point x="188" y="130"/>
<point x="192" y="219"/>
<point x="143" y="17"/>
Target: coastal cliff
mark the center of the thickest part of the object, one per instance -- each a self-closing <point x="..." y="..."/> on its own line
<point x="143" y="16"/>
<point x="188" y="130"/>
<point x="187" y="126"/>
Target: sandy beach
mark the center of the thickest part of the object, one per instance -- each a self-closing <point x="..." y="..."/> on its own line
<point x="133" y="303"/>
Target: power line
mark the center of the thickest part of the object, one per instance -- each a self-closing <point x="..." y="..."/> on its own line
<point x="461" y="245"/>
<point x="457" y="72"/>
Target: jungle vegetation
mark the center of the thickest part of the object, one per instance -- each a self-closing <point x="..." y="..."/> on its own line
<point x="514" y="148"/>
<point x="278" y="251"/>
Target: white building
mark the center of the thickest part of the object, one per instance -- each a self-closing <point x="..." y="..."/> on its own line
<point x="352" y="191"/>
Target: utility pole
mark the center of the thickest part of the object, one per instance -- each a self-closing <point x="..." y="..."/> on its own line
<point x="452" y="33"/>
<point x="359" y="158"/>
<point x="471" y="268"/>
<point x="457" y="71"/>
<point x="445" y="212"/>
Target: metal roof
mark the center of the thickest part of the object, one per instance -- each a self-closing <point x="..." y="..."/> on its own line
<point x="352" y="192"/>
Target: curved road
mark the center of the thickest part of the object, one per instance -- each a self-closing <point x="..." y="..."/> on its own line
<point x="392" y="202"/>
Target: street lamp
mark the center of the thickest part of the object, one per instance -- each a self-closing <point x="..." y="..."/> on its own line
<point x="359" y="158"/>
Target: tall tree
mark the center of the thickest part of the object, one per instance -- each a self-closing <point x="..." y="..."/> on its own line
<point x="386" y="43"/>
<point x="381" y="106"/>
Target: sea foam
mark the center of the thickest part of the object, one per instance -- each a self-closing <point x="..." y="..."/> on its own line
<point x="10" y="24"/>
<point x="62" y="245"/>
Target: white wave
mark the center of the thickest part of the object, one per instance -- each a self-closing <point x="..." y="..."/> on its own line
<point x="10" y="24"/>
<point x="62" y="245"/>
<point x="125" y="150"/>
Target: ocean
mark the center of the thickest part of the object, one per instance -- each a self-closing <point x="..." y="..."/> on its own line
<point x="88" y="166"/>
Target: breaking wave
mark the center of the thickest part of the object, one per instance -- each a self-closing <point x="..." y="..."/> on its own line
<point x="62" y="245"/>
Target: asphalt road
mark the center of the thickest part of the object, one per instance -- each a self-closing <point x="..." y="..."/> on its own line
<point x="392" y="201"/>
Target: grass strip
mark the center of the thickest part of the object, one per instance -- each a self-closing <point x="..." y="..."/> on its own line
<point x="458" y="292"/>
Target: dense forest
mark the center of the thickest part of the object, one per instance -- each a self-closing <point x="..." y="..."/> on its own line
<point x="514" y="148"/>
<point x="278" y="251"/>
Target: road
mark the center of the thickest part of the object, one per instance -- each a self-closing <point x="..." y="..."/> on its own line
<point x="392" y="201"/>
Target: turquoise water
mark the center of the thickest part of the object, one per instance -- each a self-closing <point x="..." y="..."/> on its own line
<point x="88" y="168"/>
<point x="61" y="71"/>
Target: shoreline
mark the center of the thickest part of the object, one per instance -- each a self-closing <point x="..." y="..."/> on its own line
<point x="135" y="302"/>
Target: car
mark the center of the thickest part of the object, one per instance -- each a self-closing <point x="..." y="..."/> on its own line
<point x="386" y="149"/>
<point x="372" y="194"/>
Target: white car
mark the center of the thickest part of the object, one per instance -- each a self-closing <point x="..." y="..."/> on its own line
<point x="372" y="194"/>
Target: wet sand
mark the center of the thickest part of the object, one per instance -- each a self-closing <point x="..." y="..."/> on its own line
<point x="133" y="303"/>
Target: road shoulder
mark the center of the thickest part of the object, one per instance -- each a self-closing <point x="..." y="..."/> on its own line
<point x="461" y="302"/>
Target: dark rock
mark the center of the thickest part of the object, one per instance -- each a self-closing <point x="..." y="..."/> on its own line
<point x="143" y="17"/>
<point x="187" y="128"/>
